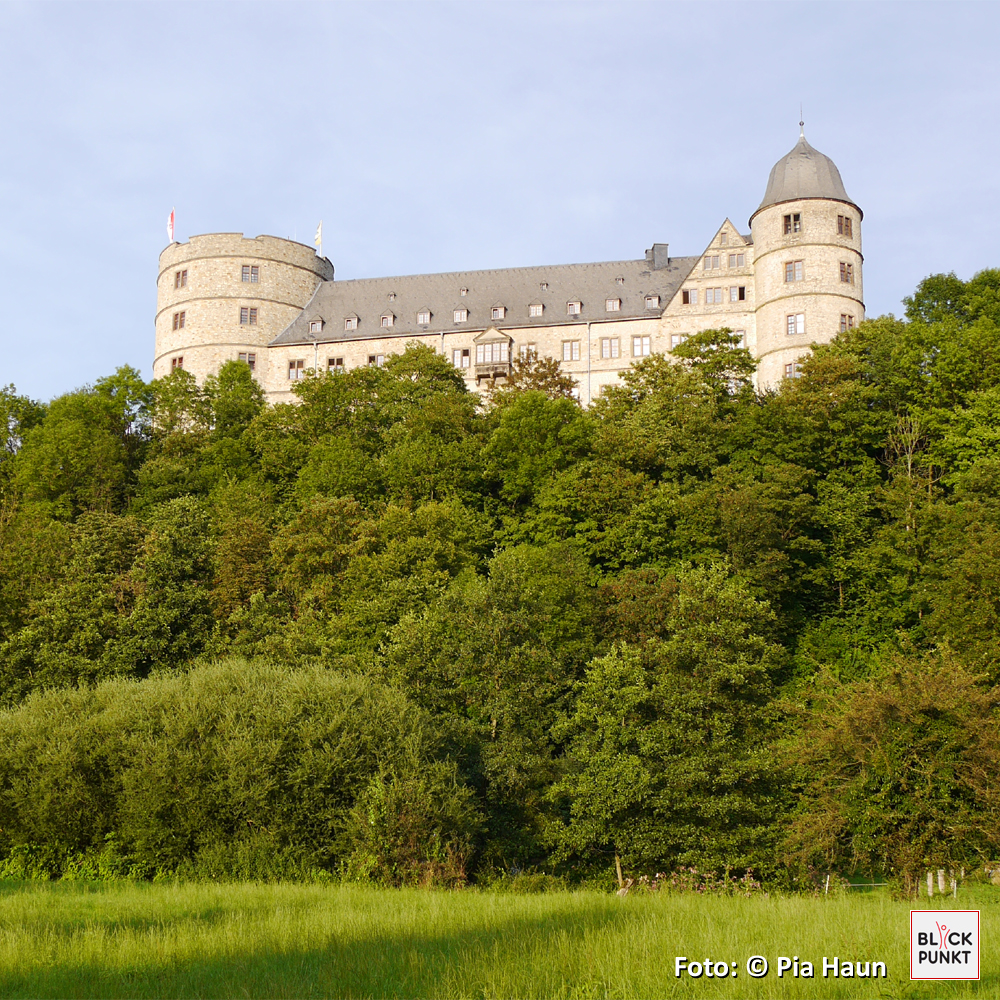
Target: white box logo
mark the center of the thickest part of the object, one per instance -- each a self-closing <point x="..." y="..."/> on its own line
<point x="944" y="944"/>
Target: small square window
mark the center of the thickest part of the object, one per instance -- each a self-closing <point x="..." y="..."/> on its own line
<point x="316" y="326"/>
<point x="640" y="347"/>
<point x="498" y="312"/>
<point x="535" y="309"/>
<point x="612" y="305"/>
<point x="571" y="350"/>
<point x="847" y="273"/>
<point x="296" y="369"/>
<point x="573" y="308"/>
<point x="609" y="347"/>
<point x="793" y="270"/>
<point x="689" y="296"/>
<point x="387" y="320"/>
<point x="351" y="323"/>
<point x="461" y="315"/>
<point x="179" y="318"/>
<point x="334" y="364"/>
<point x="652" y="301"/>
<point x="176" y="363"/>
<point x="423" y="317"/>
<point x="250" y="273"/>
<point x="792" y="224"/>
<point x="795" y="324"/>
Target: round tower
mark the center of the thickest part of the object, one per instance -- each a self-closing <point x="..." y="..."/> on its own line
<point x="223" y="297"/>
<point x="807" y="262"/>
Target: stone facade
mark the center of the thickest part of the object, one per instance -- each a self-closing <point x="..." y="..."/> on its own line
<point x="794" y="280"/>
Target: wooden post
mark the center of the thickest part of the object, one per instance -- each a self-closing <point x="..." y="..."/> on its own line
<point x="930" y="883"/>
<point x="941" y="881"/>
<point x="618" y="869"/>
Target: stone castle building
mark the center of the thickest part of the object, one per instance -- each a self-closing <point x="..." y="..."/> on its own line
<point x="794" y="280"/>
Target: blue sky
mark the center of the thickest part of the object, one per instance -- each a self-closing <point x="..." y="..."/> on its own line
<point x="442" y="136"/>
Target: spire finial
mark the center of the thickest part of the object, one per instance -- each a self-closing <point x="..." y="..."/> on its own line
<point x="802" y="124"/>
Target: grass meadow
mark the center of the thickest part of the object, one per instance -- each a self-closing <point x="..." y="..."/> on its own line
<point x="71" y="939"/>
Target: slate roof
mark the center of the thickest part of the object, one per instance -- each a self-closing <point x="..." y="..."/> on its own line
<point x="804" y="173"/>
<point x="514" y="288"/>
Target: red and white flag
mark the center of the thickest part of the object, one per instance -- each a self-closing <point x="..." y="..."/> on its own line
<point x="170" y="226"/>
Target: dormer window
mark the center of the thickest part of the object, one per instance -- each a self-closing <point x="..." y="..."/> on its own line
<point x="652" y="301"/>
<point x="573" y="308"/>
<point x="499" y="312"/>
<point x="387" y="320"/>
<point x="351" y="323"/>
<point x="463" y="291"/>
<point x="544" y="286"/>
<point x="423" y="317"/>
<point x="461" y="315"/>
<point x="316" y="326"/>
<point x="392" y="296"/>
<point x="535" y="309"/>
<point x="612" y="305"/>
<point x="619" y="280"/>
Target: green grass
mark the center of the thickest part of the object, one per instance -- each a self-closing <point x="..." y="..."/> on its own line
<point x="113" y="940"/>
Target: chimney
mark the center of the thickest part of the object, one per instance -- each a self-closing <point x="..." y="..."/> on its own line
<point x="658" y="256"/>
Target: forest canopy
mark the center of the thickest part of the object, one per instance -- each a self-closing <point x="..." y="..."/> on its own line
<point x="399" y="632"/>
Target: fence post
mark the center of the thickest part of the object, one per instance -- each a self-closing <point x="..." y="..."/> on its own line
<point x="941" y="881"/>
<point x="826" y="891"/>
<point x="930" y="884"/>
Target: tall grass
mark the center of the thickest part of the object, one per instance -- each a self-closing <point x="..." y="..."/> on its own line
<point x="197" y="940"/>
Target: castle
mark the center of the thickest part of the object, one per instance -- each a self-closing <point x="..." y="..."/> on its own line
<point x="273" y="303"/>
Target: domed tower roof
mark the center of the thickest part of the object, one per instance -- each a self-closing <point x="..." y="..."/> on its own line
<point x="804" y="173"/>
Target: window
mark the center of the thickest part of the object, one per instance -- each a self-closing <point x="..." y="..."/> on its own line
<point x="640" y="347"/>
<point x="528" y="351"/>
<point x="737" y="293"/>
<point x="535" y="309"/>
<point x="689" y="296"/>
<point x="424" y="317"/>
<point x="180" y="279"/>
<point x="488" y="354"/>
<point x="248" y="316"/>
<point x="571" y="350"/>
<point x="376" y="359"/>
<point x="793" y="224"/>
<point x="741" y="337"/>
<point x="846" y="322"/>
<point x="177" y="362"/>
<point x="498" y="312"/>
<point x="794" y="370"/>
<point x="795" y="324"/>
<point x="179" y="320"/>
<point x="392" y="296"/>
<point x="713" y="296"/>
<point x="847" y="273"/>
<point x="711" y="262"/>
<point x="461" y="357"/>
<point x="350" y="322"/>
<point x="315" y="326"/>
<point x="652" y="301"/>
<point x="676" y="339"/>
<point x="461" y="315"/>
<point x="544" y="286"/>
<point x="463" y="291"/>
<point x="296" y="369"/>
<point x="737" y="260"/>
<point x="573" y="308"/>
<point x="249" y="359"/>
<point x="845" y="226"/>
<point x="723" y="239"/>
<point x="609" y="347"/>
<point x="250" y="273"/>
<point x="387" y="320"/>
<point x="793" y="270"/>
<point x="620" y="280"/>
<point x="334" y="364"/>
<point x="612" y="305"/>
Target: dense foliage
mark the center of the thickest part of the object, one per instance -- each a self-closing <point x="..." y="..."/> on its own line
<point x="430" y="637"/>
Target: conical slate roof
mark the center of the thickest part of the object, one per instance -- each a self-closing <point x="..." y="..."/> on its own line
<point x="804" y="173"/>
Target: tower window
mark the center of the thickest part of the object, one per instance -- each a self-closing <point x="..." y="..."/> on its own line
<point x="793" y="370"/>
<point x="796" y="323"/>
<point x="711" y="263"/>
<point x="180" y="279"/>
<point x="535" y="309"/>
<point x="334" y="364"/>
<point x="248" y="316"/>
<point x="689" y="296"/>
<point x="249" y="359"/>
<point x="179" y="320"/>
<point x="573" y="308"/>
<point x="461" y="315"/>
<point x="737" y="260"/>
<point x="251" y="273"/>
<point x="461" y="357"/>
<point x="350" y="322"/>
<point x="612" y="305"/>
<point x="846" y="322"/>
<point x="640" y="347"/>
<point x="737" y="293"/>
<point x="793" y="223"/>
<point x="845" y="226"/>
<point x="423" y="317"/>
<point x="794" y="270"/>
<point x="609" y="347"/>
<point x="296" y="369"/>
<point x="176" y="363"/>
<point x="499" y="312"/>
<point x="847" y="273"/>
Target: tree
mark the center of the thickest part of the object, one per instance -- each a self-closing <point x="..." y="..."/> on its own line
<point x="531" y="373"/>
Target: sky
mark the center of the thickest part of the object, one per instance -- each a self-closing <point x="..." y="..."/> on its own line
<point x="452" y="136"/>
